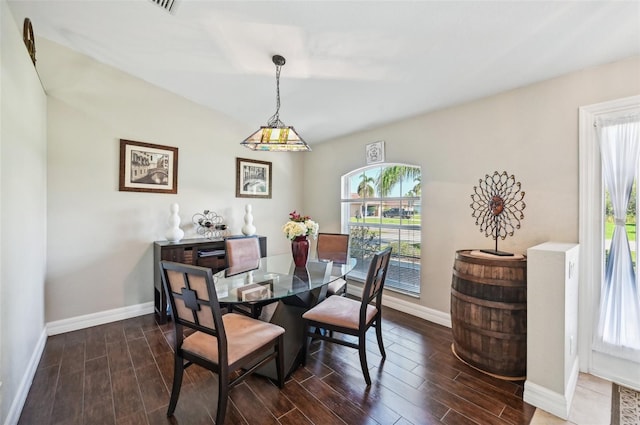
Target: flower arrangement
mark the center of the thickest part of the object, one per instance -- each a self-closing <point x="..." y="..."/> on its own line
<point x="300" y="225"/>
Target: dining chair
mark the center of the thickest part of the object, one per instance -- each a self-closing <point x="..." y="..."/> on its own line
<point x="240" y="251"/>
<point x="231" y="345"/>
<point x="334" y="247"/>
<point x="352" y="317"/>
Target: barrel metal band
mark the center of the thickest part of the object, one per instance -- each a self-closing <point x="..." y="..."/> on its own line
<point x="486" y="303"/>
<point x="489" y="281"/>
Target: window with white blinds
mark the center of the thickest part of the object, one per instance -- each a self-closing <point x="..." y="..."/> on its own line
<point x="381" y="207"/>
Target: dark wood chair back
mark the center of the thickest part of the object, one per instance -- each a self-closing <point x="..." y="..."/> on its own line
<point x="242" y="250"/>
<point x="376" y="277"/>
<point x="243" y="254"/>
<point x="219" y="342"/>
<point x="333" y="247"/>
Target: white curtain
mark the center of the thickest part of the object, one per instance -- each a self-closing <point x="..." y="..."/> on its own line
<point x="618" y="328"/>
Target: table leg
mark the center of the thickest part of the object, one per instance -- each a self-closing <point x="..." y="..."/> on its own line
<point x="288" y="314"/>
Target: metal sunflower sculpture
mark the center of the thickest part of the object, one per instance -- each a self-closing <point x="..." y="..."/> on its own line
<point x="497" y="207"/>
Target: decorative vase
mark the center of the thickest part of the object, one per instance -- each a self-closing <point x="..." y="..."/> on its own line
<point x="248" y="229"/>
<point x="174" y="232"/>
<point x="300" y="250"/>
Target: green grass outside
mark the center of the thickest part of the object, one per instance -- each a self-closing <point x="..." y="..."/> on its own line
<point x="608" y="230"/>
<point x="631" y="234"/>
<point x="376" y="220"/>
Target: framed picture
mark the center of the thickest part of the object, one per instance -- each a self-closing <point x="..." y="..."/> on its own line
<point x="148" y="168"/>
<point x="256" y="291"/>
<point x="253" y="178"/>
<point x="374" y="152"/>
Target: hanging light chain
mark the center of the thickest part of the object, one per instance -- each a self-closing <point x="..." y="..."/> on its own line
<point x="274" y="121"/>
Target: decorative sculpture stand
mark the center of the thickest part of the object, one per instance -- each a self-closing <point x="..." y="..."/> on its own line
<point x="209" y="224"/>
<point x="497" y="207"/>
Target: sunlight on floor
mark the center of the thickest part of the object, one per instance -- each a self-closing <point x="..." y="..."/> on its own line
<point x="591" y="404"/>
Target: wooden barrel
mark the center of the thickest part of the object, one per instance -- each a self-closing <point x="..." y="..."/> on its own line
<point x="489" y="313"/>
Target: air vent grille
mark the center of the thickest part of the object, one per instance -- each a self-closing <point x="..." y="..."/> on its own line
<point x="167" y="5"/>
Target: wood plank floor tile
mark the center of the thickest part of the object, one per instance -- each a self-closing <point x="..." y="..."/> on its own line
<point x="52" y="353"/>
<point x="68" y="403"/>
<point x="72" y="357"/>
<point x="39" y="404"/>
<point x="191" y="410"/>
<point x="140" y="353"/>
<point x="95" y="346"/>
<point x="157" y="342"/>
<point x="454" y="418"/>
<point x="113" y="332"/>
<point x="295" y="417"/>
<point x="349" y="382"/>
<point x="468" y="393"/>
<point x="126" y="394"/>
<point x="270" y="395"/>
<point x="99" y="413"/>
<point x="121" y="373"/>
<point x="118" y="355"/>
<point x="337" y="403"/>
<point x="135" y="418"/>
<point x="132" y="328"/>
<point x="152" y="388"/>
<point x="310" y="406"/>
<point x="251" y="407"/>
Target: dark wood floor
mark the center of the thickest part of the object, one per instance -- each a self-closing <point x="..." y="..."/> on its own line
<point x="121" y="373"/>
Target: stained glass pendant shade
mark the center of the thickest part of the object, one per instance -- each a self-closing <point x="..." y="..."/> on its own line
<point x="276" y="136"/>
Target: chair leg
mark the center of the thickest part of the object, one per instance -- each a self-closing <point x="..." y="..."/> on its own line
<point x="379" y="336"/>
<point x="280" y="361"/>
<point x="362" y="350"/>
<point x="178" y="369"/>
<point x="223" y="395"/>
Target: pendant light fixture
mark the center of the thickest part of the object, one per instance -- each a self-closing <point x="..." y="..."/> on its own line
<point x="276" y="136"/>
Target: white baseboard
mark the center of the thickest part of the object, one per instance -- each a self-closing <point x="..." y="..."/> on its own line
<point x="100" y="318"/>
<point x="551" y="401"/>
<point x="25" y="384"/>
<point x="413" y="309"/>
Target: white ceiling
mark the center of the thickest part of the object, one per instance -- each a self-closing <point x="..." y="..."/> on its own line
<point x="351" y="65"/>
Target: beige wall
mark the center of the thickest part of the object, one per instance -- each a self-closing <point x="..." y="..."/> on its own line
<point x="99" y="248"/>
<point x="531" y="132"/>
<point x="22" y="215"/>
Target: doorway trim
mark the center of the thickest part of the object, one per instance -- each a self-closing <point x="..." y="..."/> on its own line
<point x="591" y="235"/>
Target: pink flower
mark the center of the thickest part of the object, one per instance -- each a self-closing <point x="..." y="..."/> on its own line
<point x="294" y="216"/>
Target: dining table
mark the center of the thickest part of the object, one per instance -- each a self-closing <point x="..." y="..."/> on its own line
<point x="275" y="279"/>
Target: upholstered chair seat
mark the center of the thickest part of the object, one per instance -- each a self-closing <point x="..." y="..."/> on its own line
<point x="340" y="311"/>
<point x="244" y="336"/>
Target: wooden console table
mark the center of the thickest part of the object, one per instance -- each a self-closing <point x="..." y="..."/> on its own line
<point x="199" y="252"/>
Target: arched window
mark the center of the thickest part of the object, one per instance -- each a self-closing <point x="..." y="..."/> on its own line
<point x="380" y="208"/>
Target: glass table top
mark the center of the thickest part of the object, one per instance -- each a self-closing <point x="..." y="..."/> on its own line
<point x="275" y="277"/>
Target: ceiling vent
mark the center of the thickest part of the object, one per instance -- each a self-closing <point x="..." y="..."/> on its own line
<point x="168" y="5"/>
